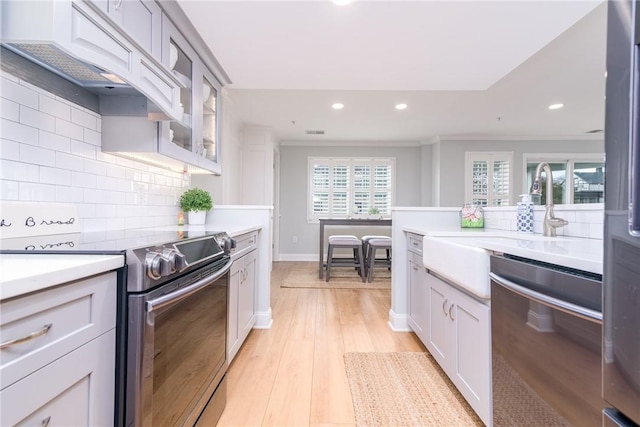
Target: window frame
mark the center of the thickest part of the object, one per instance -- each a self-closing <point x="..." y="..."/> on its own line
<point x="352" y="162"/>
<point x="489" y="156"/>
<point x="570" y="159"/>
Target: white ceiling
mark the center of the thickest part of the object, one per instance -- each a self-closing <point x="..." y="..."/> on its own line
<point x="481" y="69"/>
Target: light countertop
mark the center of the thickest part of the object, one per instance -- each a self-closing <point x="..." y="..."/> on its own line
<point x="578" y="253"/>
<point x="24" y="273"/>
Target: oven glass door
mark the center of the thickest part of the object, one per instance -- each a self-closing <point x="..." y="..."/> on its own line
<point x="546" y="363"/>
<point x="182" y="349"/>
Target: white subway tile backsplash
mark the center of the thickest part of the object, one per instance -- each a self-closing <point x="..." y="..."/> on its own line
<point x="17" y="171"/>
<point x="69" y="195"/>
<point x="55" y="108"/>
<point x="92" y="137"/>
<point x="83" y="118"/>
<point x="18" y="132"/>
<point x="9" y="150"/>
<point x="54" y="142"/>
<point x="116" y="171"/>
<point x="69" y="162"/>
<point x="84" y="180"/>
<point x="9" y="190"/>
<point x="115" y="223"/>
<point x="22" y="95"/>
<point x="66" y="128"/>
<point x="50" y="175"/>
<point x="9" y="110"/>
<point x="95" y="167"/>
<point x="54" y="155"/>
<point x="83" y="149"/>
<point x="37" y="192"/>
<point x="37" y="119"/>
<point x="37" y="156"/>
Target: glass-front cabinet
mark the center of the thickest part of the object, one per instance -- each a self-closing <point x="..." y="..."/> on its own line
<point x="193" y="139"/>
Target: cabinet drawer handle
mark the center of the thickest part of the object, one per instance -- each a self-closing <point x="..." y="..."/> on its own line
<point x="415" y="243"/>
<point x="450" y="314"/>
<point x="444" y="310"/>
<point x="415" y="268"/>
<point x="118" y="4"/>
<point x="46" y="421"/>
<point x="26" y="338"/>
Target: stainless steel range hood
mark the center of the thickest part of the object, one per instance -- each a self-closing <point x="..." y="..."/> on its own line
<point x="76" y="43"/>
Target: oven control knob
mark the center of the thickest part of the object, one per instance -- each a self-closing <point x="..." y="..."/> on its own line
<point x="154" y="264"/>
<point x="180" y="262"/>
<point x="176" y="261"/>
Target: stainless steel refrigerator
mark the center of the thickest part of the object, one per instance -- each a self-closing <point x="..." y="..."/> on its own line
<point x="621" y="281"/>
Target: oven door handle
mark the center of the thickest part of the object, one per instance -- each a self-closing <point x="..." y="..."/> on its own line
<point x="179" y="295"/>
<point x="567" y="307"/>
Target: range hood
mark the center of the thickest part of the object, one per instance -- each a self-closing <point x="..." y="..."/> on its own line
<point x="76" y="43"/>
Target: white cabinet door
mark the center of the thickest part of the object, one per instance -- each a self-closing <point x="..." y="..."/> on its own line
<point x="439" y="335"/>
<point x="459" y="338"/>
<point x="418" y="297"/>
<point x="142" y="21"/>
<point x="232" y="317"/>
<point x="246" y="296"/>
<point x="472" y="344"/>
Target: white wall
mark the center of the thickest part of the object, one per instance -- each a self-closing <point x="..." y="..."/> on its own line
<point x="50" y="152"/>
<point x="293" y="190"/>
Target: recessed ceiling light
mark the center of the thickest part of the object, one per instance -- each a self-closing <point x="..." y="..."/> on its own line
<point x="555" y="106"/>
<point x="342" y="2"/>
<point x="337" y="106"/>
<point x="401" y="106"/>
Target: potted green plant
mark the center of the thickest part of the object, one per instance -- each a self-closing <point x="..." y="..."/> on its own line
<point x="373" y="211"/>
<point x="196" y="202"/>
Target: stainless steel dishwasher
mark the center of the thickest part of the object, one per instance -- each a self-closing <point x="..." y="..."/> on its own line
<point x="546" y="328"/>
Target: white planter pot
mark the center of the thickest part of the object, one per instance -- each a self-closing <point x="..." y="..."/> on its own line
<point x="197" y="217"/>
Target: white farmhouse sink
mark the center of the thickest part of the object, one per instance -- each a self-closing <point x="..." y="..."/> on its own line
<point x="462" y="263"/>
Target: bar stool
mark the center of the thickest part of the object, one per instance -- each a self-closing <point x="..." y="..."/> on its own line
<point x="373" y="244"/>
<point x="349" y="242"/>
<point x="365" y="246"/>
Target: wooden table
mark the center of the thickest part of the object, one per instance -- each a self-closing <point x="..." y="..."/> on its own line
<point x="349" y="222"/>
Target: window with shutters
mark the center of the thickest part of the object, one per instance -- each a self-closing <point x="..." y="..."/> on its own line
<point x="344" y="187"/>
<point x="577" y="177"/>
<point x="488" y="178"/>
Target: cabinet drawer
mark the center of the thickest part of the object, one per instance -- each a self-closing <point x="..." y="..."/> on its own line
<point x="414" y="243"/>
<point x="416" y="259"/>
<point x="75" y="390"/>
<point x="245" y="243"/>
<point x="77" y="313"/>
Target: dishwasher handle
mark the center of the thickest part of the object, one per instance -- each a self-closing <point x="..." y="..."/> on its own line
<point x="555" y="303"/>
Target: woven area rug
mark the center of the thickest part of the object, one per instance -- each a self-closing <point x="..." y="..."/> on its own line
<point x="404" y="389"/>
<point x="341" y="278"/>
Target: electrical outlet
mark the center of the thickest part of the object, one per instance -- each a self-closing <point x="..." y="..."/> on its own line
<point x="295" y="239"/>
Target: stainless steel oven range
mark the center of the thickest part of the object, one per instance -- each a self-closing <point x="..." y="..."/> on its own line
<point x="176" y="332"/>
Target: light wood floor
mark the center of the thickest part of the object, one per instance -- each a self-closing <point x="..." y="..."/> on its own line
<point x="293" y="374"/>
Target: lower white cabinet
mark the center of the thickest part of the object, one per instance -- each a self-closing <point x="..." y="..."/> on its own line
<point x="242" y="293"/>
<point x="418" y="296"/>
<point x="63" y="372"/>
<point x="459" y="338"/>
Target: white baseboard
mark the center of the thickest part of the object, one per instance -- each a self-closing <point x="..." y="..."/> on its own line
<point x="263" y="320"/>
<point x="399" y="322"/>
<point x="299" y="257"/>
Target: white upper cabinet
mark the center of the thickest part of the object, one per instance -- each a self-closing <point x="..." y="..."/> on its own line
<point x="140" y="19"/>
<point x="194" y="138"/>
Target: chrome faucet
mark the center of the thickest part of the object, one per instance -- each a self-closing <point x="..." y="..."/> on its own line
<point x="550" y="222"/>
